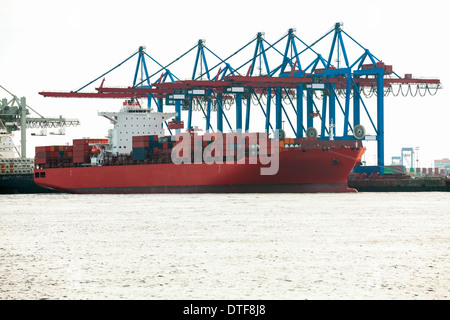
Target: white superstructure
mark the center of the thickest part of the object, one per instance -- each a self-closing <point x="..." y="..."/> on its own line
<point x="10" y="163"/>
<point x="6" y="145"/>
<point x="132" y="120"/>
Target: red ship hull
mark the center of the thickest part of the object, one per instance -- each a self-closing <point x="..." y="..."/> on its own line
<point x="312" y="170"/>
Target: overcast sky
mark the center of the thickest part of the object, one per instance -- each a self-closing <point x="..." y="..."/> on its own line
<point x="51" y="45"/>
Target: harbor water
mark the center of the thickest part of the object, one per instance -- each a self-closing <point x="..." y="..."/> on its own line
<point x="225" y="246"/>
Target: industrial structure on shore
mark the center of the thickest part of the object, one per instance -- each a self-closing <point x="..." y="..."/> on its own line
<point x="16" y="169"/>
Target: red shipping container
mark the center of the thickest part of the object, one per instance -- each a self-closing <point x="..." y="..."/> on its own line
<point x="140" y="144"/>
<point x="40" y="160"/>
<point x="77" y="142"/>
<point x="97" y="140"/>
<point x="42" y="149"/>
<point x="140" y="138"/>
<point x="81" y="159"/>
<point x="175" y="124"/>
<point x="41" y="155"/>
<point x="82" y="147"/>
<point x="52" y="154"/>
<point x="81" y="153"/>
<point x="87" y="141"/>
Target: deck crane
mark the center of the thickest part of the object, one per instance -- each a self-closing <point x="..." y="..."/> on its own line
<point x="313" y="89"/>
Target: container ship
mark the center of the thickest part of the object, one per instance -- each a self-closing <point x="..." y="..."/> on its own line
<point x="138" y="157"/>
<point x="16" y="173"/>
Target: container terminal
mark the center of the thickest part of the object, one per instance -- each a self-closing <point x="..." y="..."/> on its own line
<point x="302" y="88"/>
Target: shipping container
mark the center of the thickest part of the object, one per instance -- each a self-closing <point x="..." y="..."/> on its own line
<point x="140" y="138"/>
<point x="175" y="124"/>
<point x="140" y="144"/>
<point x="81" y="153"/>
<point x="81" y="159"/>
<point x="139" y="154"/>
<point x="388" y="170"/>
<point x="87" y="141"/>
<point x="81" y="147"/>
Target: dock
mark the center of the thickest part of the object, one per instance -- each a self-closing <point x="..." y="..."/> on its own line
<point x="398" y="183"/>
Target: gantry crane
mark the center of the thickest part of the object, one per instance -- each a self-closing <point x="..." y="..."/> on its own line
<point x="14" y="116"/>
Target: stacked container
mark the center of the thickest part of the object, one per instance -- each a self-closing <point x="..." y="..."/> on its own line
<point x="292" y="142"/>
<point x="82" y="150"/>
<point x="16" y="166"/>
<point x="150" y="147"/>
<point x="53" y="155"/>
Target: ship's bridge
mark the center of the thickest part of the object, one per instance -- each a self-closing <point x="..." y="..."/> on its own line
<point x="133" y="121"/>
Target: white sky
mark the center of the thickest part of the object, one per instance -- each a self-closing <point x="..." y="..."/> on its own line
<point x="51" y="45"/>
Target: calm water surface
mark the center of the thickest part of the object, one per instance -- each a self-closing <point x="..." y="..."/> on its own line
<point x="231" y="246"/>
